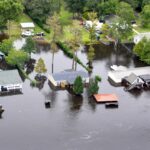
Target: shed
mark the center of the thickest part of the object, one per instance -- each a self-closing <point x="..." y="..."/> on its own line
<point x="105" y="98"/>
<point x="10" y="80"/>
<point x="27" y="25"/>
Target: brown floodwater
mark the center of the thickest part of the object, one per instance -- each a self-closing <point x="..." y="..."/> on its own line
<point x="77" y="123"/>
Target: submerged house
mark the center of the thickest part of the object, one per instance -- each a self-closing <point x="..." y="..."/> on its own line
<point x="132" y="81"/>
<point x="146" y="79"/>
<point x="67" y="78"/>
<point x="10" y="81"/>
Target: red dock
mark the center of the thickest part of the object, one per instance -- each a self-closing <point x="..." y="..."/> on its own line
<point x="105" y="98"/>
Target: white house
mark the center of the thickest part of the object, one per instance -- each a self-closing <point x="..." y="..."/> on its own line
<point x="10" y="80"/>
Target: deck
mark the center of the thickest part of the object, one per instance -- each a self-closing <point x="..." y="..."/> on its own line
<point x="116" y="76"/>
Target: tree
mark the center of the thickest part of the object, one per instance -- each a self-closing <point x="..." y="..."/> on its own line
<point x="75" y="6"/>
<point x="9" y="10"/>
<point x="93" y="85"/>
<point x="145" y="16"/>
<point x="17" y="58"/>
<point x="107" y="7"/>
<point x="40" y="67"/>
<point x="29" y="46"/>
<point x="75" y="43"/>
<point x="78" y="86"/>
<point x="120" y="30"/>
<point x="125" y="12"/>
<point x="6" y="46"/>
<point x="142" y="49"/>
<point x="55" y="25"/>
<point x="40" y="10"/>
<point x="91" y="54"/>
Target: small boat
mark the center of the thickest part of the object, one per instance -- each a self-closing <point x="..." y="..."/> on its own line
<point x="1" y="110"/>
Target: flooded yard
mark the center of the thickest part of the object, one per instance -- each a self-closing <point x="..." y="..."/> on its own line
<point x="77" y="123"/>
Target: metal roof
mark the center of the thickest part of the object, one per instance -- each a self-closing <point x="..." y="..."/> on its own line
<point x="131" y="78"/>
<point x="145" y="77"/>
<point x="10" y="77"/>
<point x="27" y="25"/>
<point x="69" y="75"/>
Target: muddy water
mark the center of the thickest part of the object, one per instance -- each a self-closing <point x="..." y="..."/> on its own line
<point x="76" y="123"/>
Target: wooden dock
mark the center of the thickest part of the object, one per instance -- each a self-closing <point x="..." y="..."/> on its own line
<point x="116" y="76"/>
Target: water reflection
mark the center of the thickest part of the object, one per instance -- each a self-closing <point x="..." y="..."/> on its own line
<point x="75" y="102"/>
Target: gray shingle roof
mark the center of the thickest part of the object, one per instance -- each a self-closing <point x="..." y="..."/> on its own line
<point x="9" y="77"/>
<point x="69" y="75"/>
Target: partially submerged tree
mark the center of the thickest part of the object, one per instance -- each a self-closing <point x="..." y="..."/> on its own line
<point x="75" y="43"/>
<point x="78" y="86"/>
<point x="93" y="85"/>
<point x="40" y="67"/>
<point x="55" y="26"/>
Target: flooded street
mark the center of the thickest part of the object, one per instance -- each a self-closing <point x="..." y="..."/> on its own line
<point x="76" y="123"/>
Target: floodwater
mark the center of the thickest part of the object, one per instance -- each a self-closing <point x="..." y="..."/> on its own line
<point x="77" y="123"/>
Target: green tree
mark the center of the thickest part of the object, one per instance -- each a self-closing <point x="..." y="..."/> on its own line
<point x="142" y="49"/>
<point x="17" y="58"/>
<point x="78" y="86"/>
<point x="40" y="67"/>
<point x="91" y="54"/>
<point x="145" y="16"/>
<point x="75" y="6"/>
<point x="125" y="12"/>
<point x="55" y="26"/>
<point x="29" y="46"/>
<point x="9" y="10"/>
<point x="107" y="7"/>
<point x="93" y="85"/>
<point x="6" y="46"/>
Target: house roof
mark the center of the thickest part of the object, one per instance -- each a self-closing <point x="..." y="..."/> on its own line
<point x="145" y="78"/>
<point x="10" y="77"/>
<point x="131" y="78"/>
<point x="69" y="75"/>
<point x="27" y="25"/>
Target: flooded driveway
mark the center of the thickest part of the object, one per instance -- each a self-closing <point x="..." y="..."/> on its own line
<point x="76" y="123"/>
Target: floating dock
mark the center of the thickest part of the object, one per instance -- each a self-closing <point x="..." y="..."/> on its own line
<point x="116" y="76"/>
<point x="106" y="98"/>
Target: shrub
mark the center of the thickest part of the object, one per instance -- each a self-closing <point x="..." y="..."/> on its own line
<point x="78" y="86"/>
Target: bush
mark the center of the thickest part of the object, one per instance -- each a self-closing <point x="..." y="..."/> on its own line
<point x="78" y="86"/>
<point x="93" y="85"/>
